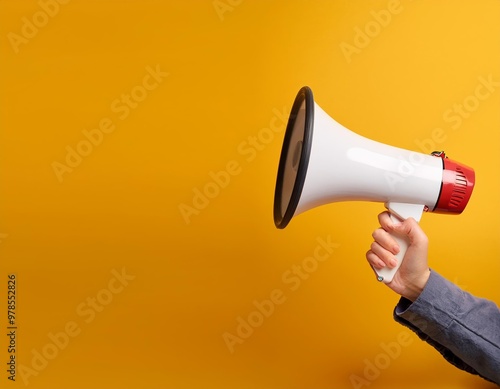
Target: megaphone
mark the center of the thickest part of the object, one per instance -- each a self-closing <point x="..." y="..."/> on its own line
<point x="323" y="162"/>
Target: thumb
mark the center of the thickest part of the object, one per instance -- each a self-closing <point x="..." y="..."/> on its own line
<point x="411" y="229"/>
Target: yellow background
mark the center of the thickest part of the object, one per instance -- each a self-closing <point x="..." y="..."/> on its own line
<point x="232" y="67"/>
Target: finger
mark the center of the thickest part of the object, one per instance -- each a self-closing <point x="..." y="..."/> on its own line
<point x="386" y="240"/>
<point x="385" y="221"/>
<point x="383" y="255"/>
<point x="374" y="260"/>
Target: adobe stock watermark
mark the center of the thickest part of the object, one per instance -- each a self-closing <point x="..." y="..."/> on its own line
<point x="363" y="36"/>
<point x="31" y="26"/>
<point x="121" y="106"/>
<point x="247" y="150"/>
<point x="223" y="6"/>
<point x="459" y="112"/>
<point x="409" y="164"/>
<point x="293" y="279"/>
<point x="86" y="311"/>
<point x="390" y="351"/>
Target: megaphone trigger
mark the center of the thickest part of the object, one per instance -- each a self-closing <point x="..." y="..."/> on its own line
<point x="403" y="210"/>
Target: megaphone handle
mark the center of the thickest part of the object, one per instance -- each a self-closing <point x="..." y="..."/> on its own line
<point x="387" y="274"/>
<point x="399" y="212"/>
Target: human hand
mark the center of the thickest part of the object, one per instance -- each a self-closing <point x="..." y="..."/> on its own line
<point x="412" y="276"/>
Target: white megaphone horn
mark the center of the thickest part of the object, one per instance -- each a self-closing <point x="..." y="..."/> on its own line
<point x="323" y="162"/>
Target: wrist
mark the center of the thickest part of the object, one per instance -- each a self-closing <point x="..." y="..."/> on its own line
<point x="415" y="288"/>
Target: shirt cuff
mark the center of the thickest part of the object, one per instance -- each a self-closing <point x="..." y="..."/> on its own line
<point x="435" y="309"/>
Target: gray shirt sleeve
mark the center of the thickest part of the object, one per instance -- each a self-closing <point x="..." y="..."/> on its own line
<point x="465" y="329"/>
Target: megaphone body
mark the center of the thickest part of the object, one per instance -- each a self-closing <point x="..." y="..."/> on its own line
<point x="323" y="162"/>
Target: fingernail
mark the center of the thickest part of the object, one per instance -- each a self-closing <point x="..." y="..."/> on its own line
<point x="394" y="263"/>
<point x="395" y="249"/>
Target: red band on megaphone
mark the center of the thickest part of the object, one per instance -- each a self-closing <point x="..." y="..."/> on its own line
<point x="456" y="187"/>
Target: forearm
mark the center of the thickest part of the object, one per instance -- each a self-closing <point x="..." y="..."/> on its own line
<point x="464" y="328"/>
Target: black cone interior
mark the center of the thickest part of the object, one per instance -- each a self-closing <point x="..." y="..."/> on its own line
<point x="294" y="158"/>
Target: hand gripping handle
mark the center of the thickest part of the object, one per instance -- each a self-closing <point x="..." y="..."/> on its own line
<point x="399" y="212"/>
